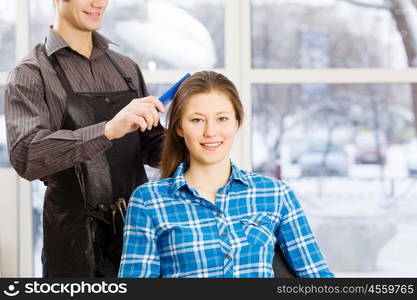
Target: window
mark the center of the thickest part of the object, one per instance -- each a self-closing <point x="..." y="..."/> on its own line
<point x="41" y="16"/>
<point x="349" y="153"/>
<point x="7" y="35"/>
<point x="1" y="101"/>
<point x="371" y="124"/>
<point x="345" y="146"/>
<point x="171" y="34"/>
<point x="330" y="34"/>
<point x="38" y="192"/>
<point x="4" y="156"/>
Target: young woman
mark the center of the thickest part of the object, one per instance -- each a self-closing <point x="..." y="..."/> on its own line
<point x="207" y="217"/>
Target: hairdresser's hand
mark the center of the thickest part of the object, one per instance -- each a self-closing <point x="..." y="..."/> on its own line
<point x="140" y="114"/>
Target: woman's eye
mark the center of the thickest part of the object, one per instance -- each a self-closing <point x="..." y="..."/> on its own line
<point x="223" y="119"/>
<point x="196" y="120"/>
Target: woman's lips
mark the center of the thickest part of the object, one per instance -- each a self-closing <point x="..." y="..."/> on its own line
<point x="212" y="146"/>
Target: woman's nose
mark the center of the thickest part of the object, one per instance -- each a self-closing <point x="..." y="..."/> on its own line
<point x="210" y="129"/>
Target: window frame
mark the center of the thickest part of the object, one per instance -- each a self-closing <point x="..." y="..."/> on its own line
<point x="237" y="67"/>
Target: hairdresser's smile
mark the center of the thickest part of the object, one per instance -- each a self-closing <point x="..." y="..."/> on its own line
<point x="84" y="15"/>
<point x="92" y="14"/>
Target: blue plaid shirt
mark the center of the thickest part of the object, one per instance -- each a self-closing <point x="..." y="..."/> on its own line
<point x="170" y="231"/>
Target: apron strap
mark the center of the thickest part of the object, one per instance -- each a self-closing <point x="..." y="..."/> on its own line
<point x="127" y="79"/>
<point x="60" y="73"/>
<point x="64" y="79"/>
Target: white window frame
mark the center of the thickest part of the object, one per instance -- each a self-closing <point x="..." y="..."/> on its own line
<point x="237" y="68"/>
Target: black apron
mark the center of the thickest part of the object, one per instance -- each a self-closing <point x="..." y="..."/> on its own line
<point x="84" y="205"/>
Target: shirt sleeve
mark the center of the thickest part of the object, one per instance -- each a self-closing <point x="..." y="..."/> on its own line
<point x="140" y="257"/>
<point x="36" y="149"/>
<point x="296" y="239"/>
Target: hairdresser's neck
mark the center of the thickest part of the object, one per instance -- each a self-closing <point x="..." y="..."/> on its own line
<point x="79" y="40"/>
<point x="208" y="178"/>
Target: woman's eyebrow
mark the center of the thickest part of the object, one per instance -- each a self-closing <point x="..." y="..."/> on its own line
<point x="224" y="112"/>
<point x="202" y="114"/>
<point x="196" y="113"/>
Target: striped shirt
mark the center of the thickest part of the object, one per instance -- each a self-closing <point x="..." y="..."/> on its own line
<point x="35" y="101"/>
<point x="170" y="231"/>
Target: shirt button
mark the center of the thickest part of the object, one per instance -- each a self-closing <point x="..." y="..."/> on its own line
<point x="228" y="256"/>
<point x="224" y="233"/>
<point x="107" y="100"/>
<point x="218" y="214"/>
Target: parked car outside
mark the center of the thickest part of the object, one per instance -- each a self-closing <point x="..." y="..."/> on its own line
<point x="321" y="159"/>
<point x="367" y="150"/>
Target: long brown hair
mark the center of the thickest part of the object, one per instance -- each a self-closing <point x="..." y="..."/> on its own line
<point x="175" y="151"/>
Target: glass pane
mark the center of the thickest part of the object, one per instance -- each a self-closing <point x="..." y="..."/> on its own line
<point x="168" y="34"/>
<point x="40" y="18"/>
<point x="157" y="89"/>
<point x="7" y="35"/>
<point x="164" y="34"/>
<point x="38" y="192"/>
<point x="1" y="101"/>
<point x="332" y="34"/>
<point x="4" y="156"/>
<point x="349" y="152"/>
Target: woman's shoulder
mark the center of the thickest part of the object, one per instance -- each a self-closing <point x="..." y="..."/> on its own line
<point x="152" y="190"/>
<point x="158" y="186"/>
<point x="260" y="180"/>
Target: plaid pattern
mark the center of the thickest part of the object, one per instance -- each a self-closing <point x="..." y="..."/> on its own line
<point x="172" y="232"/>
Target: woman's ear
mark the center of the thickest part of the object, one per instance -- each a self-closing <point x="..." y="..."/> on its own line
<point x="180" y="132"/>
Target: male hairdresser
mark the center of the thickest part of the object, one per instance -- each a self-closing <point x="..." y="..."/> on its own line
<point x="80" y="119"/>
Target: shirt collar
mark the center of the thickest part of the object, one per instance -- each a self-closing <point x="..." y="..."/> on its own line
<point x="179" y="179"/>
<point x="55" y="42"/>
<point x="238" y="174"/>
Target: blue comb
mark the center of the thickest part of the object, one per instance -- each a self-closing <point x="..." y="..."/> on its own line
<point x="169" y="94"/>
